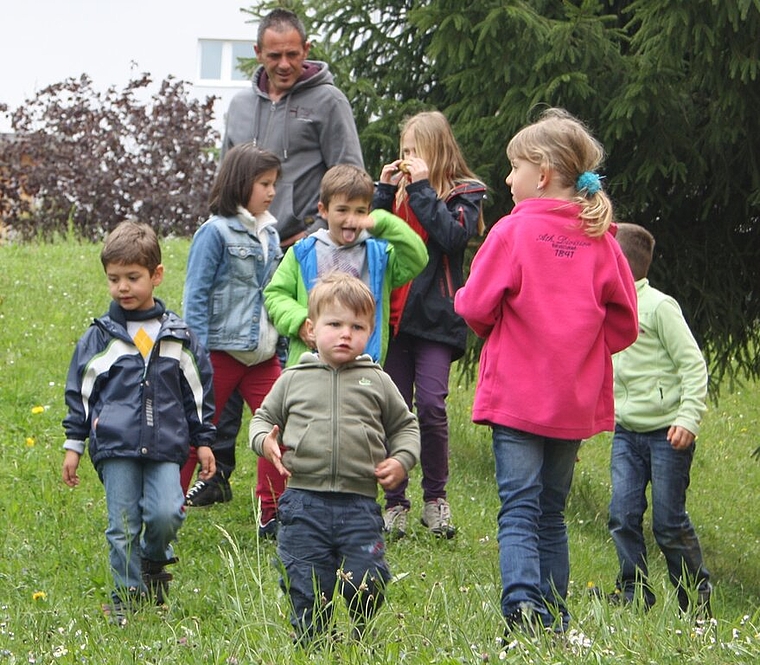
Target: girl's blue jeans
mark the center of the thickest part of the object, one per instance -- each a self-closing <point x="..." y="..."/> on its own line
<point x="534" y="474"/>
<point x="639" y="459"/>
<point x="145" y="511"/>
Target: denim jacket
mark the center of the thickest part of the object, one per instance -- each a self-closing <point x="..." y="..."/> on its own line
<point x="227" y="270"/>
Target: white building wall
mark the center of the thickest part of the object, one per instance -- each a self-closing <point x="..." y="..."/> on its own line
<point x="46" y="41"/>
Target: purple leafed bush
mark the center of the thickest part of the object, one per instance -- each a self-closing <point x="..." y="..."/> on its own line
<point x="80" y="161"/>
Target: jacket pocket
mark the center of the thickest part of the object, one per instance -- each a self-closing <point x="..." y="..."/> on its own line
<point x="244" y="263"/>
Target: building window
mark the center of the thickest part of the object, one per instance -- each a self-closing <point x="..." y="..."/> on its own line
<point x="240" y="50"/>
<point x="218" y="60"/>
<point x="211" y="59"/>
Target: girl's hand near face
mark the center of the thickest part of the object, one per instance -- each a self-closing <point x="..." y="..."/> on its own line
<point x="391" y="174"/>
<point x="417" y="168"/>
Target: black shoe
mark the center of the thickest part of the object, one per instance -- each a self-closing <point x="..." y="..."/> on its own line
<point x="269" y="530"/>
<point x="638" y="597"/>
<point x="699" y="606"/>
<point x="522" y="620"/>
<point x="156" y="578"/>
<point x="208" y="493"/>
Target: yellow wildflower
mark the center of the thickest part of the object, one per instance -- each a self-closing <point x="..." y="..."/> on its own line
<point x="39" y="595"/>
<point x="38" y="409"/>
<point x="29" y="441"/>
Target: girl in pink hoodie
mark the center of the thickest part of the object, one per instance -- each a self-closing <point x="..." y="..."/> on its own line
<point x="552" y="295"/>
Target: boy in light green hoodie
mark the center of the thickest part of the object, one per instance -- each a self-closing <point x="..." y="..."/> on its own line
<point x="660" y="391"/>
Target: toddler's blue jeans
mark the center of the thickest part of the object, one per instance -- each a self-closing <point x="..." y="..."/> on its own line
<point x="330" y="541"/>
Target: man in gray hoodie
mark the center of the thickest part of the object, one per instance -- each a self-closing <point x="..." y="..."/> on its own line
<point x="292" y="109"/>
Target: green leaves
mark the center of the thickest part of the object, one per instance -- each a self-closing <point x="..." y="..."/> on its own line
<point x="669" y="87"/>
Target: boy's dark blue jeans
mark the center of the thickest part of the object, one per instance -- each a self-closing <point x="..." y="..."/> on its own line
<point x="640" y="459"/>
<point x="330" y="542"/>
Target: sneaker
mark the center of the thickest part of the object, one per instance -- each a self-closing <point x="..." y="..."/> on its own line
<point x="436" y="516"/>
<point x="394" y="521"/>
<point x="208" y="493"/>
<point x="268" y="530"/>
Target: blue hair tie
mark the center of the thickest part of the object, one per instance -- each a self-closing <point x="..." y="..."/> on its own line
<point x="589" y="182"/>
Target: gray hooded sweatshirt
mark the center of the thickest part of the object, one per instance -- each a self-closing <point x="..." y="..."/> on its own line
<point x="311" y="128"/>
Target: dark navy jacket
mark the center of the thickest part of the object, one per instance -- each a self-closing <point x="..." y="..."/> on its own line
<point x="128" y="408"/>
<point x="429" y="310"/>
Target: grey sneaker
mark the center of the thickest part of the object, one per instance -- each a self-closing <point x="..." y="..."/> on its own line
<point x="395" y="521"/>
<point x="436" y="516"/>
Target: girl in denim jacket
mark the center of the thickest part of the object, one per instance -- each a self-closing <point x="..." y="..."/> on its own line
<point x="232" y="258"/>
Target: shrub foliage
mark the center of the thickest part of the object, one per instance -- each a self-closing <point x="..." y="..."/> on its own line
<point x="81" y="160"/>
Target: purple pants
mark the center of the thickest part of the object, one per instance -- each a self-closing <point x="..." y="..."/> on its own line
<point x="420" y="369"/>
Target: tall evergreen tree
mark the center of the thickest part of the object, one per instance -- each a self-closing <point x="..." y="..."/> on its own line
<point x="670" y="87"/>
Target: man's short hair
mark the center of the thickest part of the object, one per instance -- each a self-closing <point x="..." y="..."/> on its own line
<point x="344" y="289"/>
<point x="346" y="180"/>
<point x="280" y="20"/>
<point x="638" y="246"/>
<point x="132" y="242"/>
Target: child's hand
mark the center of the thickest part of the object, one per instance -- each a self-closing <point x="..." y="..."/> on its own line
<point x="389" y="473"/>
<point x="70" y="466"/>
<point x="680" y="438"/>
<point x="271" y="450"/>
<point x="208" y="463"/>
<point x="390" y="175"/>
<point x="417" y="168"/>
<point x="367" y="222"/>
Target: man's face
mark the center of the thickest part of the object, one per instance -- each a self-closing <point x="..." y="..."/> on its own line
<point x="282" y="54"/>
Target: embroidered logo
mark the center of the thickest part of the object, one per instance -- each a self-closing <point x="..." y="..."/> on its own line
<point x="564" y="247"/>
<point x="365" y="382"/>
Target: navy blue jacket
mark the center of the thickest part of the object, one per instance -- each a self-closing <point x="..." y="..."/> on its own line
<point x="132" y="409"/>
<point x="429" y="310"/>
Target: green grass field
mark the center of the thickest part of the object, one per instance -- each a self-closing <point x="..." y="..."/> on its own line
<point x="225" y="604"/>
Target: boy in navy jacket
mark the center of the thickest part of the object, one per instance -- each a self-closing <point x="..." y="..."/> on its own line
<point x="139" y="388"/>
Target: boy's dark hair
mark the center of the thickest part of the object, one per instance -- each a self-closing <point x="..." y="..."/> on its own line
<point x="280" y="20"/>
<point x="239" y="170"/>
<point x="638" y="246"/>
<point x="347" y="180"/>
<point x="132" y="242"/>
<point x="344" y="289"/>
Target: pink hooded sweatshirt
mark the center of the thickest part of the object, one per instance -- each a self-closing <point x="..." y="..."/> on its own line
<point x="553" y="305"/>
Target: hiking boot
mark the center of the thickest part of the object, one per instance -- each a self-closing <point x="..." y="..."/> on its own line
<point x="436" y="516"/>
<point x="208" y="493"/>
<point x="394" y="521"/>
<point x="156" y="578"/>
